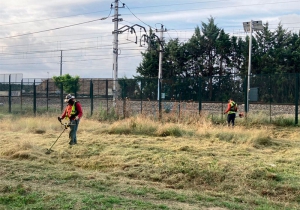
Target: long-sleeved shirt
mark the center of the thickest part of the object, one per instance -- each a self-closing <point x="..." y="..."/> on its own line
<point x="68" y="110"/>
<point x="229" y="107"/>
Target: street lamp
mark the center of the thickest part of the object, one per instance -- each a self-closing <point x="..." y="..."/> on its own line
<point x="249" y="27"/>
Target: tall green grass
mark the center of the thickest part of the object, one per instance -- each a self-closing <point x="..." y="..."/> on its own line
<point x="256" y="119"/>
<point x="106" y="114"/>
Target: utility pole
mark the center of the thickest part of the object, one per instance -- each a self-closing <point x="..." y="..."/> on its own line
<point x="249" y="66"/>
<point x="116" y="20"/>
<point x="162" y="30"/>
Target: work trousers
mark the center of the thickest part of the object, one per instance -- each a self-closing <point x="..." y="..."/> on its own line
<point x="230" y="119"/>
<point x="73" y="130"/>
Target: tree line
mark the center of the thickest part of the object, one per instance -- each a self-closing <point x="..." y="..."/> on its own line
<point x="210" y="51"/>
<point x="221" y="59"/>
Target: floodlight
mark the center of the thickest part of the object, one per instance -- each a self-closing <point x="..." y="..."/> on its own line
<point x="256" y="25"/>
<point x="246" y="26"/>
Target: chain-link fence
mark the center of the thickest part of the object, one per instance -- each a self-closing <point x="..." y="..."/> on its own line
<point x="271" y="95"/>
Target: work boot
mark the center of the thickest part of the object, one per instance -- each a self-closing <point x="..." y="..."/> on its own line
<point x="71" y="143"/>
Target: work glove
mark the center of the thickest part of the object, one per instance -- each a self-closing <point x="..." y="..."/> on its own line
<point x="59" y="119"/>
<point x="76" y="118"/>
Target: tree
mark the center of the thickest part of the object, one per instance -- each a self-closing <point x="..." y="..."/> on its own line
<point x="130" y="88"/>
<point x="223" y="46"/>
<point x="238" y="55"/>
<point x="70" y="84"/>
<point x="149" y="66"/>
<point x="174" y="59"/>
<point x="294" y="52"/>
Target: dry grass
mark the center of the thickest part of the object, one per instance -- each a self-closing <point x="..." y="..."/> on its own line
<point x="247" y="167"/>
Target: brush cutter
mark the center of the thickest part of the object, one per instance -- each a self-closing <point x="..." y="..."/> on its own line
<point x="66" y="125"/>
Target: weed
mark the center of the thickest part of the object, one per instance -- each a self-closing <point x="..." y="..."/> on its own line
<point x="106" y="115"/>
<point x="283" y="121"/>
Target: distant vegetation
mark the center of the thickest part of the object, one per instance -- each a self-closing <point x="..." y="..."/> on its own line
<point x="69" y="84"/>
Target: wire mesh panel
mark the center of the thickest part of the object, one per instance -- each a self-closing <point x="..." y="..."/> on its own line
<point x="14" y="78"/>
<point x="275" y="95"/>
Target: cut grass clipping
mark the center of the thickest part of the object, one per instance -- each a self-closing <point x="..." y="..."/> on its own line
<point x="139" y="163"/>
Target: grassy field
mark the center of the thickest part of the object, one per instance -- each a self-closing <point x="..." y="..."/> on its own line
<point x="139" y="163"/>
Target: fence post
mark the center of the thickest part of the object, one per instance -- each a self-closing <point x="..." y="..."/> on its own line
<point x="200" y="95"/>
<point x="159" y="100"/>
<point x="21" y="95"/>
<point x="9" y="95"/>
<point x="270" y="94"/>
<point x="246" y="94"/>
<point x="106" y="94"/>
<point x="34" y="98"/>
<point x="76" y="86"/>
<point x="179" y="100"/>
<point x="141" y="94"/>
<point x="61" y="97"/>
<point x="296" y="99"/>
<point x="123" y="95"/>
<point x="92" y="96"/>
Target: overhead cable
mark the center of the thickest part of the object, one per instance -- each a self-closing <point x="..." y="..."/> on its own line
<point x="53" y="29"/>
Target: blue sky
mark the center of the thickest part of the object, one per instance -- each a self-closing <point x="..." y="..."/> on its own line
<point x="87" y="48"/>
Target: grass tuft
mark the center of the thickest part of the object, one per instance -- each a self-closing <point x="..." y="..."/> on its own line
<point x="261" y="141"/>
<point x="283" y="121"/>
<point x="169" y="130"/>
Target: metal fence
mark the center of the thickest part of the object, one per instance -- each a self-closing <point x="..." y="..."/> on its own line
<point x="271" y="95"/>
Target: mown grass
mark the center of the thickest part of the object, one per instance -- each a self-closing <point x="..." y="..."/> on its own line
<point x="139" y="163"/>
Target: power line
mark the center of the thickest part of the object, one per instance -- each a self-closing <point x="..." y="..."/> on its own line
<point x="68" y="61"/>
<point x="144" y="13"/>
<point x="83" y="34"/>
<point x="85" y="48"/>
<point x="137" y="17"/>
<point x="58" y="50"/>
<point x="244" y="5"/>
<point x="56" y="56"/>
<point x="53" y="18"/>
<point x="53" y="29"/>
<point x="186" y="3"/>
<point x="57" y="41"/>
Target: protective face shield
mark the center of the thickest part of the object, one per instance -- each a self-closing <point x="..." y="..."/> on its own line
<point x="68" y="98"/>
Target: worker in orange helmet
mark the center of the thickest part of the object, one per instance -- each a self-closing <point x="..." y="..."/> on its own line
<point x="73" y="112"/>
